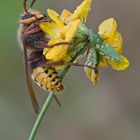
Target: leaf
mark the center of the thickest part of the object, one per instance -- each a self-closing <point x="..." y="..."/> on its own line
<point x="76" y="49"/>
<point x="108" y="51"/>
<point x="81" y="34"/>
<point x="92" y="60"/>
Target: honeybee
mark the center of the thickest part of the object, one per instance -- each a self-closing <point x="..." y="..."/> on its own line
<point x="32" y="41"/>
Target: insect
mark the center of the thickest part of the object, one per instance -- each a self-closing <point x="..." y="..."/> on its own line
<point x="32" y="41"/>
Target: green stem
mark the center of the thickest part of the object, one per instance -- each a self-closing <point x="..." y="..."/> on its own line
<point x="49" y="99"/>
<point x="41" y="115"/>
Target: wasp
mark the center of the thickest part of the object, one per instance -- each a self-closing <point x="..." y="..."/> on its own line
<point x="32" y="41"/>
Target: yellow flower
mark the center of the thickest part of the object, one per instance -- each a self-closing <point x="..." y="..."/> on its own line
<point x="92" y="75"/>
<point x="59" y="35"/>
<point x="50" y="28"/>
<point x="57" y="53"/>
<point x="81" y="12"/>
<point x="55" y="17"/>
<point x="108" y="31"/>
<point x="66" y="34"/>
<point x="66" y="17"/>
<point x="119" y="65"/>
<point x="63" y="29"/>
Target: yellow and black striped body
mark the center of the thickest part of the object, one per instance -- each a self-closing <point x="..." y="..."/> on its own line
<point x="47" y="78"/>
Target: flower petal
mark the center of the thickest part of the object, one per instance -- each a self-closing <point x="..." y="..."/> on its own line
<point x="55" y="17"/>
<point x="69" y="31"/>
<point x="50" y="28"/>
<point x="57" y="53"/>
<point x="65" y="60"/>
<point x="103" y="64"/>
<point x="117" y="43"/>
<point x="65" y="14"/>
<point x="122" y="65"/>
<point x="92" y="75"/>
<point x="82" y="11"/>
<point x="108" y="30"/>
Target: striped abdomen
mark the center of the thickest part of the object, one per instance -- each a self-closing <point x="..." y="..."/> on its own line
<point x="47" y="78"/>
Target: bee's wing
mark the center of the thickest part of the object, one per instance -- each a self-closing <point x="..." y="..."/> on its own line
<point x="28" y="77"/>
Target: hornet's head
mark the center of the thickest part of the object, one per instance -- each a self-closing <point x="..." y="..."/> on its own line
<point x="30" y="16"/>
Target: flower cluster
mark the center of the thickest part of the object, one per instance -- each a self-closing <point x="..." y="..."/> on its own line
<point x="68" y="34"/>
<point x="62" y="29"/>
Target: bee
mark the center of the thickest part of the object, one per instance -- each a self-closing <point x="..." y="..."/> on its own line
<point x="32" y="41"/>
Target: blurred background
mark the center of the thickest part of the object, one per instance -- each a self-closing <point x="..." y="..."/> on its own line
<point x="108" y="111"/>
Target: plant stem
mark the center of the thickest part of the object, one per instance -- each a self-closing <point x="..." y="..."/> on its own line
<point x="41" y="115"/>
<point x="49" y="99"/>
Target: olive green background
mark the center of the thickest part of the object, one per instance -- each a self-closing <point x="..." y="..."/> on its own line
<point x="108" y="111"/>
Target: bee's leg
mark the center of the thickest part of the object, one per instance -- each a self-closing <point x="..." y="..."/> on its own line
<point x="41" y="44"/>
<point x="45" y="19"/>
<point x="33" y="25"/>
<point x="32" y="29"/>
<point x="36" y="25"/>
<point x="59" y="63"/>
<point x="80" y="65"/>
<point x="60" y="43"/>
<point x="35" y="56"/>
<point x="57" y="101"/>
